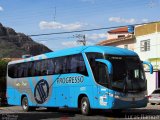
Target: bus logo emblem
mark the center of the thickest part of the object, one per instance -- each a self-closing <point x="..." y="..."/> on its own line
<point x="41" y="91"/>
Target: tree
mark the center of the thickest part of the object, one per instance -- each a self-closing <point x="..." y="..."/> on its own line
<point x="3" y="71"/>
<point x="3" y="67"/>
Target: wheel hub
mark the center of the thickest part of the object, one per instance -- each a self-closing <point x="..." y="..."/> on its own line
<point x="84" y="106"/>
<point x="25" y="105"/>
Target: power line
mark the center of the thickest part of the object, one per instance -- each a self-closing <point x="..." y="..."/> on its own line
<point x="88" y="30"/>
<point x="85" y="30"/>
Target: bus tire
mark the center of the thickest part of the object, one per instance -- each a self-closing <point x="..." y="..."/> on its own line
<point x="32" y="108"/>
<point x="152" y="103"/>
<point x="85" y="106"/>
<point x="117" y="111"/>
<point x="25" y="105"/>
<point x="52" y="109"/>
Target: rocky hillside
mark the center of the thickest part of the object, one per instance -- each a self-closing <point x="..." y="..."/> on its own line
<point x="14" y="45"/>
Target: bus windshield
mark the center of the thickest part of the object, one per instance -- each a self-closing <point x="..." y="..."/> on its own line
<point x="128" y="74"/>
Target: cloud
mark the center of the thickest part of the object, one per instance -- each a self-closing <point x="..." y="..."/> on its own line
<point x="57" y="25"/>
<point x="91" y="1"/>
<point x="121" y="20"/>
<point x="145" y="20"/>
<point x="96" y="36"/>
<point x="91" y="39"/>
<point x="1" y="9"/>
<point x="70" y="43"/>
<point x="43" y="41"/>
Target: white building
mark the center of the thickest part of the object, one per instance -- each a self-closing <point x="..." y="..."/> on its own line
<point x="146" y="42"/>
<point x="147" y="46"/>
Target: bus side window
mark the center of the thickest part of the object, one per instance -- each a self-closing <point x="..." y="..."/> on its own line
<point x="20" y="70"/>
<point x="68" y="66"/>
<point x="64" y="64"/>
<point x="30" y="68"/>
<point x="44" y="67"/>
<point x="78" y="65"/>
<point x="11" y="71"/>
<point x="37" y="68"/>
<point x="16" y="71"/>
<point x="81" y="66"/>
<point x="58" y="66"/>
<point x="50" y="66"/>
<point x="73" y="64"/>
<point x="25" y="68"/>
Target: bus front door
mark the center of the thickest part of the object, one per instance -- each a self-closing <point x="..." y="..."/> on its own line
<point x="102" y="96"/>
<point x="103" y="71"/>
<point x="102" y="80"/>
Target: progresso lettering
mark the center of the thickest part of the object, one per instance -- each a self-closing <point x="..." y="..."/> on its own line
<point x="70" y="80"/>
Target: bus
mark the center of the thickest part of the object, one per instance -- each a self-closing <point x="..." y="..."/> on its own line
<point x="85" y="77"/>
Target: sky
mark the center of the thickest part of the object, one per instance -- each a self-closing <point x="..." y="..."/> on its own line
<point x="51" y="16"/>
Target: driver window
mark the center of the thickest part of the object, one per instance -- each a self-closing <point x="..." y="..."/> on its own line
<point x="99" y="70"/>
<point x="102" y="77"/>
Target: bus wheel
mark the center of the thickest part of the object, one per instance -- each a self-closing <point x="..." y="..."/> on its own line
<point x="117" y="111"/>
<point x="25" y="105"/>
<point x="52" y="109"/>
<point x="152" y="103"/>
<point x="85" y="106"/>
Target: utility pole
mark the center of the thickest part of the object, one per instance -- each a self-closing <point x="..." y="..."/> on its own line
<point x="81" y="39"/>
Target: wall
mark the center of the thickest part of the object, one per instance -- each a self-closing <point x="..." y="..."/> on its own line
<point x="151" y="32"/>
<point x="151" y="82"/>
<point x="145" y="29"/>
<point x="114" y="35"/>
<point x="154" y="53"/>
<point x="121" y="44"/>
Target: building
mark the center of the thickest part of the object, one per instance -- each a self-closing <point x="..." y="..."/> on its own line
<point x="120" y="37"/>
<point x="148" y="46"/>
<point x="148" y="43"/>
<point x="145" y="40"/>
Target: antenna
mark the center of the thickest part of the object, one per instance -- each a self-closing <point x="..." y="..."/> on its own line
<point x="55" y="11"/>
<point x="152" y="3"/>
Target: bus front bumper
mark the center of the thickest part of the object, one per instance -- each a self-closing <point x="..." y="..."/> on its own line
<point x="122" y="104"/>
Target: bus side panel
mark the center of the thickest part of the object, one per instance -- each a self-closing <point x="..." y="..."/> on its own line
<point x="31" y="88"/>
<point x="13" y="94"/>
<point x="84" y="89"/>
<point x="27" y="87"/>
<point x="68" y="87"/>
<point x="62" y="96"/>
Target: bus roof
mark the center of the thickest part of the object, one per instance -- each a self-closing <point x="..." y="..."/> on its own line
<point x="81" y="49"/>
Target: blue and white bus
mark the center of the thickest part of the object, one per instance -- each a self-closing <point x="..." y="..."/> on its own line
<point x="86" y="77"/>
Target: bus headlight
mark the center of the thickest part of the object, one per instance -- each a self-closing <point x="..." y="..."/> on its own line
<point x="117" y="96"/>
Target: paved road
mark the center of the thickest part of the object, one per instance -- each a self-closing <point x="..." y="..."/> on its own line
<point x="16" y="113"/>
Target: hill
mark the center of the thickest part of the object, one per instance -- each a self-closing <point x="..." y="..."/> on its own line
<point x="14" y="45"/>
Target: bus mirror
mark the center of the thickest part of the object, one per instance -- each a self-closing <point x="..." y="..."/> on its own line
<point x="150" y="66"/>
<point x="107" y="63"/>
